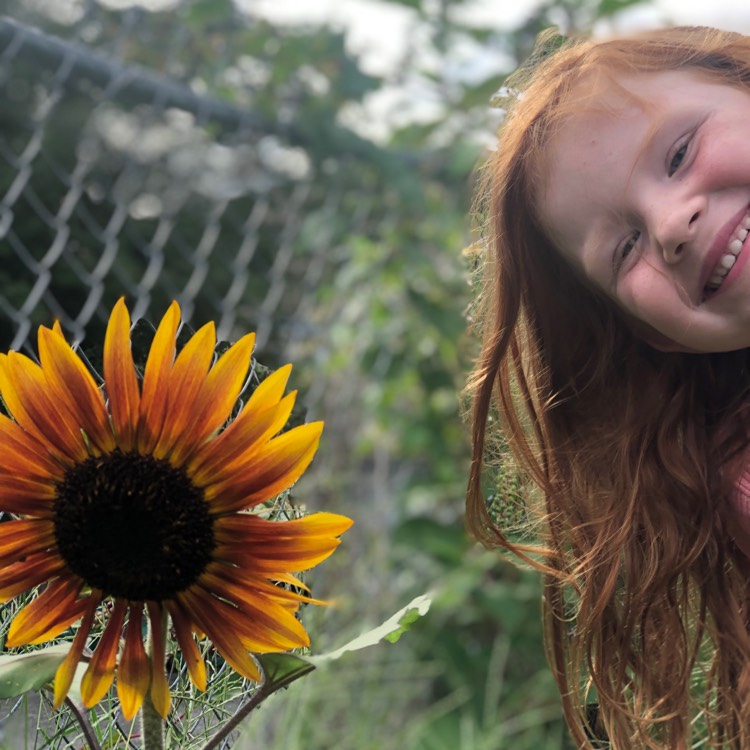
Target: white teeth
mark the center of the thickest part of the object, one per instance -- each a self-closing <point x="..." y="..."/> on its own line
<point x="730" y="256"/>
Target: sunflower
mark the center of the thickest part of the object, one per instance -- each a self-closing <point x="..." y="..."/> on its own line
<point x="134" y="507"/>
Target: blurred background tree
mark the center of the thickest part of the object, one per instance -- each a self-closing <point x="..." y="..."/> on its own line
<point x="269" y="177"/>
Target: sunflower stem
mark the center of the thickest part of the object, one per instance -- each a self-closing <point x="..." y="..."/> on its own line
<point x="152" y="726"/>
<point x="83" y="721"/>
<point x="266" y="689"/>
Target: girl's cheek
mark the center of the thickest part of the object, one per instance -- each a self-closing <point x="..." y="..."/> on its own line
<point x="724" y="157"/>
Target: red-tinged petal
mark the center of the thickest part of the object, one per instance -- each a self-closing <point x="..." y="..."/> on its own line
<point x="275" y="469"/>
<point x="26" y="497"/>
<point x="133" y="672"/>
<point x="255" y="529"/>
<point x="52" y="612"/>
<point x="120" y="377"/>
<point x="292" y="555"/>
<point x="22" y="576"/>
<point x="290" y="580"/>
<point x="216" y="399"/>
<point x="160" y="695"/>
<point x="185" y="383"/>
<point x="66" y="671"/>
<point x="243" y="439"/>
<point x="268" y="546"/>
<point x="254" y="587"/>
<point x="271" y="621"/>
<point x="21" y="453"/>
<point x="101" y="671"/>
<point x="72" y="385"/>
<point x="26" y="394"/>
<point x="25" y="536"/>
<point x="190" y="652"/>
<point x="221" y="633"/>
<point x="156" y="380"/>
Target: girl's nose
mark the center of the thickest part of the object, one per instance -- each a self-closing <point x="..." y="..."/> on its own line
<point x="677" y="229"/>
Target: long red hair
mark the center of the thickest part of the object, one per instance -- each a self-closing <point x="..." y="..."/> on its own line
<point x="633" y="451"/>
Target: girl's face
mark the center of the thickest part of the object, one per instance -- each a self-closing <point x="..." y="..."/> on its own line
<point x="649" y="196"/>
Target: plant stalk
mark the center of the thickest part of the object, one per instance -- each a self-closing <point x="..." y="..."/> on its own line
<point x="152" y="726"/>
<point x="85" y="724"/>
<point x="258" y="697"/>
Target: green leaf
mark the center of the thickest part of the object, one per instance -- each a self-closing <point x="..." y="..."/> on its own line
<point x="22" y="673"/>
<point x="282" y="670"/>
<point x="391" y="630"/>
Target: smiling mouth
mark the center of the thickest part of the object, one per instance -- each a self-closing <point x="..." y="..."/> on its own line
<point x="729" y="257"/>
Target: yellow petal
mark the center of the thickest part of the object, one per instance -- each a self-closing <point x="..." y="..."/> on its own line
<point x="22" y="454"/>
<point x="216" y="398"/>
<point x="120" y="377"/>
<point x="281" y="463"/>
<point x="156" y="380"/>
<point x="66" y="671"/>
<point x="72" y="385"/>
<point x="101" y="671"/>
<point x="240" y="442"/>
<point x="30" y="572"/>
<point x="160" y="695"/>
<point x="191" y="653"/>
<point x="185" y="382"/>
<point x="26" y="394"/>
<point x="220" y="632"/>
<point x="52" y="612"/>
<point x="133" y="673"/>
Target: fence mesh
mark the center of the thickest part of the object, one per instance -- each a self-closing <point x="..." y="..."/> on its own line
<point x="115" y="180"/>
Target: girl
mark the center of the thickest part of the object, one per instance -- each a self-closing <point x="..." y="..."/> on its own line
<point x="616" y="353"/>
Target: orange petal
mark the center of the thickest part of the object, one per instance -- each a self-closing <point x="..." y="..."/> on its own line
<point x="190" y="651"/>
<point x="160" y="695"/>
<point x="21" y="453"/>
<point x="24" y="575"/>
<point x="66" y="671"/>
<point x="120" y="377"/>
<point x="133" y="673"/>
<point x="242" y="440"/>
<point x="216" y="399"/>
<point x="72" y="385"/>
<point x="101" y="671"/>
<point x="281" y="463"/>
<point x="185" y="383"/>
<point x="265" y="585"/>
<point x="156" y="380"/>
<point x="25" y="535"/>
<point x="26" y="394"/>
<point x="219" y="630"/>
<point x="26" y="497"/>
<point x="52" y="612"/>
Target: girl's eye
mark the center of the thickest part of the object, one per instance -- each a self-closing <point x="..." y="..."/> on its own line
<point x="623" y="250"/>
<point x="677" y="159"/>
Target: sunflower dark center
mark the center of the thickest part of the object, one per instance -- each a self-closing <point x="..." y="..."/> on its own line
<point x="133" y="526"/>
